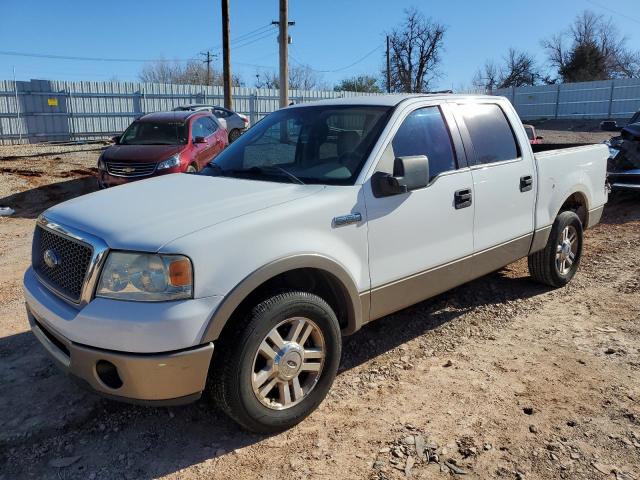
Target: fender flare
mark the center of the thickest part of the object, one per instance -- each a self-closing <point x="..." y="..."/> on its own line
<point x="357" y="305"/>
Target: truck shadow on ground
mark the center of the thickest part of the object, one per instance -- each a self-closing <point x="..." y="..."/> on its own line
<point x="113" y="439"/>
<point x="30" y="203"/>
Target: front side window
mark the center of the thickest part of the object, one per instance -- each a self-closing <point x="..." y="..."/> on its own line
<point x="490" y="132"/>
<point x="425" y="132"/>
<point x="311" y="144"/>
<point x="200" y="128"/>
<point x="155" y="133"/>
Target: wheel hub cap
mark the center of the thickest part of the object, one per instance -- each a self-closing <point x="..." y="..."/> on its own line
<point x="567" y="250"/>
<point x="288" y="363"/>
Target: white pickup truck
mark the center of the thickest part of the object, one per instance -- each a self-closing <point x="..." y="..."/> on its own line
<point x="319" y="219"/>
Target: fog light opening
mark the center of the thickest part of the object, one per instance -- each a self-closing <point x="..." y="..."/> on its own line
<point x="108" y="373"/>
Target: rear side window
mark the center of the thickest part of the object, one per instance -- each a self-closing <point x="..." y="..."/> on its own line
<point x="424" y="132"/>
<point x="490" y="132"/>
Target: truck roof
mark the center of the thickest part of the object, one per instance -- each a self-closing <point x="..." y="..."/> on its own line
<point x="390" y="100"/>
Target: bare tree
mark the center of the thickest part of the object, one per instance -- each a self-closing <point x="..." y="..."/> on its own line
<point x="517" y="69"/>
<point x="192" y="72"/>
<point x="487" y="77"/>
<point x="415" y="48"/>
<point x="301" y="77"/>
<point x="592" y="48"/>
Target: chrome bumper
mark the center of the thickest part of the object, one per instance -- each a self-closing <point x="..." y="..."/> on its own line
<point x="158" y="379"/>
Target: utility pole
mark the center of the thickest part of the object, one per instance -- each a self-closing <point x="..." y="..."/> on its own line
<point x="283" y="40"/>
<point x="226" y="55"/>
<point x="208" y="61"/>
<point x="388" y="68"/>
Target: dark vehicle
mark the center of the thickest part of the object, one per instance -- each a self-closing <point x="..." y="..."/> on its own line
<point x="234" y="122"/>
<point x="161" y="143"/>
<point x="623" y="167"/>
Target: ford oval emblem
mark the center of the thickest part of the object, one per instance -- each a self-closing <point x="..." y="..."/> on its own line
<point x="51" y="259"/>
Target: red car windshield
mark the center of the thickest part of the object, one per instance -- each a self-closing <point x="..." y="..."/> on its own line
<point x="155" y="133"/>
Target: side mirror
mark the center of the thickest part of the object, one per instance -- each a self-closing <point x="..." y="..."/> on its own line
<point x="409" y="173"/>
<point x="116" y="139"/>
<point x="199" y="140"/>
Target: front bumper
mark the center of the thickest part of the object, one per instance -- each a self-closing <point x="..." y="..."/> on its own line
<point x="105" y="180"/>
<point x="172" y="378"/>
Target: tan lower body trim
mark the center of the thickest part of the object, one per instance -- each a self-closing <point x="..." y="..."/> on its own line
<point x="594" y="217"/>
<point x="408" y="291"/>
<point x="163" y="378"/>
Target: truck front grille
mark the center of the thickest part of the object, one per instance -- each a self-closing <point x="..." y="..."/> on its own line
<point x="119" y="169"/>
<point x="61" y="262"/>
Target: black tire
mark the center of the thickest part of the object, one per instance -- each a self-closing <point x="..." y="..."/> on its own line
<point x="234" y="135"/>
<point x="542" y="264"/>
<point x="192" y="169"/>
<point x="233" y="363"/>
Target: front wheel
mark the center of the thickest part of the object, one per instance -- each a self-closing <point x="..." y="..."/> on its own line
<point x="278" y="363"/>
<point x="557" y="263"/>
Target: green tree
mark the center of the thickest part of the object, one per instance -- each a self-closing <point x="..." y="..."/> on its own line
<point x="585" y="63"/>
<point x="359" y="83"/>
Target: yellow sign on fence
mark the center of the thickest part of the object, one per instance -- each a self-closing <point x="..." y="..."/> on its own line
<point x="52" y="102"/>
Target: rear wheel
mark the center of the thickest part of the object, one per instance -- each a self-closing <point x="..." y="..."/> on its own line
<point x="234" y="135"/>
<point x="278" y="364"/>
<point x="558" y="262"/>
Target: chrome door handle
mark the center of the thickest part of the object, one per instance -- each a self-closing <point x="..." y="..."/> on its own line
<point x="347" y="219"/>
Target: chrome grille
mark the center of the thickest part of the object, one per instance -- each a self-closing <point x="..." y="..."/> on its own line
<point x="73" y="260"/>
<point x="120" y="169"/>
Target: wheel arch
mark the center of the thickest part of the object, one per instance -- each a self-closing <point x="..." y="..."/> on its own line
<point x="578" y="203"/>
<point x="308" y="272"/>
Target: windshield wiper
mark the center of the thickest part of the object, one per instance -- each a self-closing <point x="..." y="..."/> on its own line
<point x="264" y="170"/>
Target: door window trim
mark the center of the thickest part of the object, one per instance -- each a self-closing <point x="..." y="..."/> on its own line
<point x="403" y="111"/>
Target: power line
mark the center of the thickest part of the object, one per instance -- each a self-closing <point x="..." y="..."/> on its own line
<point x="613" y="11"/>
<point x="89" y="59"/>
<point x="364" y="57"/>
<point x="269" y="34"/>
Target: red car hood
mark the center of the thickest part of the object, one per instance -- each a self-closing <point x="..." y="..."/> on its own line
<point x="140" y="153"/>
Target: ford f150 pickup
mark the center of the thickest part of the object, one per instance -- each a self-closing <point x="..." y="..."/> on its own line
<point x="321" y="218"/>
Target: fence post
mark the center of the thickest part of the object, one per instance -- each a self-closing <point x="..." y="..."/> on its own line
<point x="613" y="86"/>
<point x="252" y="107"/>
<point x="15" y="87"/>
<point x="70" y="114"/>
<point x="557" y="102"/>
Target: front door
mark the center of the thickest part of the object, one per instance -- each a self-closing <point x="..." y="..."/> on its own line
<point x="420" y="241"/>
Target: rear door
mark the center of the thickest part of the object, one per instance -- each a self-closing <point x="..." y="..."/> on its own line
<point x="503" y="184"/>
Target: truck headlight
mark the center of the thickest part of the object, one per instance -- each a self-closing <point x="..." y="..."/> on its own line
<point x="171" y="162"/>
<point x="146" y="277"/>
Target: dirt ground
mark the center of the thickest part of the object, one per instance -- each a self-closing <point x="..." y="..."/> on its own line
<point x="499" y="378"/>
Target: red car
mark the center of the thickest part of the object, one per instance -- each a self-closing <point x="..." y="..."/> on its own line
<point x="534" y="139"/>
<point x="161" y="143"/>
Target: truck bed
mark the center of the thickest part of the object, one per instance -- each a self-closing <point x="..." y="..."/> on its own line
<point x="565" y="169"/>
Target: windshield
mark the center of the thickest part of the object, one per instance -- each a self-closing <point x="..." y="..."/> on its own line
<point x="155" y="133"/>
<point x="314" y="144"/>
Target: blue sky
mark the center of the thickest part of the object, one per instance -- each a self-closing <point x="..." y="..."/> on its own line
<point x="328" y="36"/>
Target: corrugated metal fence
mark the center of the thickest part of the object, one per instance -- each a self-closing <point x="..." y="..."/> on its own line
<point x="588" y="100"/>
<point x="46" y="110"/>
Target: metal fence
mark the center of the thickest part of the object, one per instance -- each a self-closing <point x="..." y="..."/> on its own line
<point x="47" y="110"/>
<point x="585" y="100"/>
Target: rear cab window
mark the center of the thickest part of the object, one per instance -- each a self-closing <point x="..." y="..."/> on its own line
<point x="490" y="132"/>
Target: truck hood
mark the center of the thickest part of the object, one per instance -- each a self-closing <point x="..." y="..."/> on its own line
<point x="140" y="153"/>
<point x="146" y="215"/>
